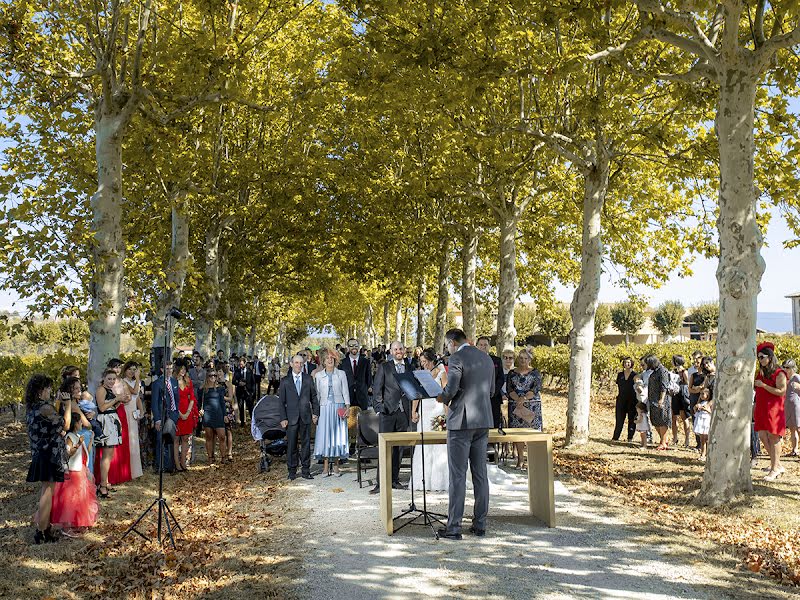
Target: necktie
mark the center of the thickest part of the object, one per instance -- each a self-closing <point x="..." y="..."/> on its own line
<point x="171" y="396"/>
<point x="354" y="366"/>
<point x="400" y="367"/>
<point x="297" y="381"/>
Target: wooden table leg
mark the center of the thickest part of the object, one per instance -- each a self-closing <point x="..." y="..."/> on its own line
<point x="385" y="481"/>
<point x="541" y="492"/>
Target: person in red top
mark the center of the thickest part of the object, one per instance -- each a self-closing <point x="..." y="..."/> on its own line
<point x="768" y="414"/>
<point x="188" y="415"/>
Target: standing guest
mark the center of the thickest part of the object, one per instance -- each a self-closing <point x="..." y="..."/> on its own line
<point x="359" y="377"/>
<point x="108" y="417"/>
<point x="792" y="404"/>
<point x="525" y="403"/>
<point x="470" y="386"/>
<point x="259" y="371"/>
<point x="75" y="499"/>
<point x="484" y="344"/>
<point x="642" y="420"/>
<point x="230" y="410"/>
<point x="245" y="384"/>
<point x="308" y="364"/>
<point x="702" y="418"/>
<point x="134" y="411"/>
<point x="165" y="417"/>
<point x="659" y="404"/>
<point x="274" y="375"/>
<point x="221" y="356"/>
<point x="392" y="405"/>
<point x="695" y="386"/>
<point x="72" y="386"/>
<point x="681" y="412"/>
<point x="211" y="398"/>
<point x="299" y="409"/>
<point x="198" y="372"/>
<point x="415" y="359"/>
<point x="769" y="414"/>
<point x="332" y="442"/>
<point x="48" y="450"/>
<point x="187" y="416"/>
<point x="626" y="400"/>
<point x="120" y="469"/>
<point x="322" y="354"/>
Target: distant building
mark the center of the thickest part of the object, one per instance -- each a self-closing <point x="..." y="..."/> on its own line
<point x="795" y="298"/>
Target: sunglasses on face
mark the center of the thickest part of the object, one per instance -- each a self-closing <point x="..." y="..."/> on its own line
<point x="760" y="356"/>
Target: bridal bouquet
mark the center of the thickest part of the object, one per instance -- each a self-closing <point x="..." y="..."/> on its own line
<point x="439" y="423"/>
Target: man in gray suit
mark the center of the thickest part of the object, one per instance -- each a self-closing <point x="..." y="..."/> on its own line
<point x="470" y="385"/>
<point x="299" y="409"/>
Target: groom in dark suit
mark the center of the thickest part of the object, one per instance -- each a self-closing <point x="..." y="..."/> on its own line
<point x="392" y="405"/>
<point x="299" y="408"/>
<point x="470" y="386"/>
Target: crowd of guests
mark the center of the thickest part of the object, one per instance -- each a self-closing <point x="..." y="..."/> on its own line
<point x="682" y="399"/>
<point x="83" y="445"/>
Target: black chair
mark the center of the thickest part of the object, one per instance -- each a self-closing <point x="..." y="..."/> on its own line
<point x="366" y="442"/>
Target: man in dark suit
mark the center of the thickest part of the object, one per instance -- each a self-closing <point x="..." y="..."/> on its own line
<point x="470" y="387"/>
<point x="392" y="405"/>
<point x="259" y="371"/>
<point x="299" y="408"/>
<point x="359" y="375"/>
<point x="169" y="395"/>
<point x="483" y="345"/>
<point x="245" y="384"/>
<point x="308" y="363"/>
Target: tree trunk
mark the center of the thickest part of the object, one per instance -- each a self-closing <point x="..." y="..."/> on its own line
<point x="386" y="330"/>
<point x="108" y="248"/>
<point x="398" y="321"/>
<point x="204" y="325"/>
<point x="279" y="350"/>
<point x="469" y="258"/>
<point x="584" y="303"/>
<point x="251" y="341"/>
<point x="369" y="326"/>
<point x="421" y="289"/>
<point x="509" y="284"/>
<point x="223" y="336"/>
<point x="179" y="261"/>
<point x="443" y="298"/>
<point x="727" y="471"/>
<point x="406" y="319"/>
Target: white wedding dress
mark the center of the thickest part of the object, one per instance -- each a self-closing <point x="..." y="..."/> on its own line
<point x="436" y="471"/>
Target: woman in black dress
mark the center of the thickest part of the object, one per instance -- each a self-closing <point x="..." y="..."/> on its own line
<point x="626" y="400"/>
<point x="48" y="450"/>
<point x="659" y="401"/>
<point x="211" y="398"/>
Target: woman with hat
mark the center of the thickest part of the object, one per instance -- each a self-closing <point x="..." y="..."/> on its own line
<point x="768" y="414"/>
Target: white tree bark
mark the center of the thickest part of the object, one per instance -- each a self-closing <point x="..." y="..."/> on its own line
<point x="509" y="284"/>
<point x="370" y="337"/>
<point x="406" y="320"/>
<point x="387" y="332"/>
<point x="469" y="267"/>
<point x="204" y="325"/>
<point x="584" y="302"/>
<point x="179" y="261"/>
<point x="727" y="471"/>
<point x="443" y="297"/>
<point x="421" y="289"/>
<point x="398" y="321"/>
<point x="108" y="248"/>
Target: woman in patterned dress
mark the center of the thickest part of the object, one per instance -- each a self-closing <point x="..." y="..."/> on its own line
<point x="524" y="400"/>
<point x="659" y="401"/>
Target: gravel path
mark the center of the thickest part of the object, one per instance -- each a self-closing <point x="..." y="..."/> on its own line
<point x="595" y="552"/>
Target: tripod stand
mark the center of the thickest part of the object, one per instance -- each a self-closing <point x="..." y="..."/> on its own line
<point x="428" y="517"/>
<point x="164" y="512"/>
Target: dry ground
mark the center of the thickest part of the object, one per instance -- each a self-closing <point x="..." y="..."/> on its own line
<point x="761" y="530"/>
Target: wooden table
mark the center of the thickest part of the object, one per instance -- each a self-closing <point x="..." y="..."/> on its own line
<point x="541" y="496"/>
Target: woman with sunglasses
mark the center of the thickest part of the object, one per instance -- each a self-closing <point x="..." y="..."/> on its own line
<point x="212" y="408"/>
<point x="768" y="414"/>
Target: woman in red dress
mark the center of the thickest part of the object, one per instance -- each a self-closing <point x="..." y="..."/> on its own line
<point x="768" y="414"/>
<point x="188" y="415"/>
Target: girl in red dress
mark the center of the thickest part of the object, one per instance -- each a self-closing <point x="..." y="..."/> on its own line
<point x="768" y="414"/>
<point x="188" y="415"/>
<point x="74" y="499"/>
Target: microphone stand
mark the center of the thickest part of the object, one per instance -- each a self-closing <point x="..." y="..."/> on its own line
<point x="164" y="511"/>
<point x="428" y="517"/>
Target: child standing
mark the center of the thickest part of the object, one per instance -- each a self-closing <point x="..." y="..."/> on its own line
<point x="702" y="419"/>
<point x="74" y="499"/>
<point x="642" y="418"/>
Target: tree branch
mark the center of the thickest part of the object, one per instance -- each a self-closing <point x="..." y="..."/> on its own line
<point x="679" y="19"/>
<point x="778" y="42"/>
<point x="558" y="143"/>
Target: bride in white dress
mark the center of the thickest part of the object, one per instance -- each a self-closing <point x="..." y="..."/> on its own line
<point x="436" y="471"/>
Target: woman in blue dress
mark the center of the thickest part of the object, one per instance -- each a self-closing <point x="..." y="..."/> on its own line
<point x="332" y="441"/>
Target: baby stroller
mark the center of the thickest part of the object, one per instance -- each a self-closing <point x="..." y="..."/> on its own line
<point x="267" y="431"/>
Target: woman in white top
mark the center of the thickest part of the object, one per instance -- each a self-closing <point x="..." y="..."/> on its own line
<point x="423" y="412"/>
<point x="332" y="442"/>
<point x="131" y="377"/>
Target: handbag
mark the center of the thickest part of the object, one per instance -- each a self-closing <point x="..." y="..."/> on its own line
<point x="523" y="413"/>
<point x="342" y="412"/>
